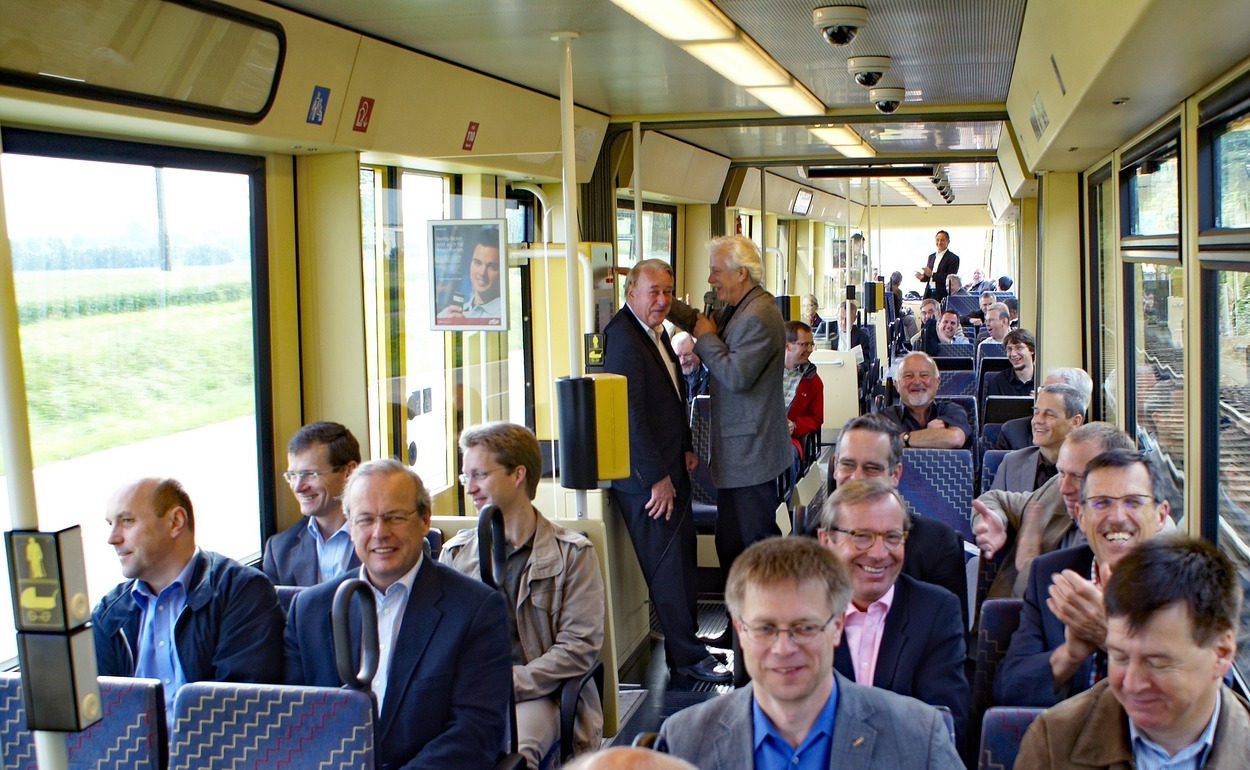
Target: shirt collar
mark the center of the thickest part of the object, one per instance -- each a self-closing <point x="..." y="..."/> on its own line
<point x="406" y="581"/>
<point x="639" y="320"/>
<point x="884" y="603"/>
<point x="316" y="531"/>
<point x="1198" y="749"/>
<point x="823" y="724"/>
<point x="141" y="588"/>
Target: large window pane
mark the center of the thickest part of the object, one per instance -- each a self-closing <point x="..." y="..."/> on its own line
<point x="1158" y="322"/>
<point x="1103" y="237"/>
<point x="134" y="287"/>
<point x="1231" y="146"/>
<point x="1232" y="344"/>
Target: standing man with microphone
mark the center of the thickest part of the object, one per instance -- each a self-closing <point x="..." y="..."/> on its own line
<point x="743" y="348"/>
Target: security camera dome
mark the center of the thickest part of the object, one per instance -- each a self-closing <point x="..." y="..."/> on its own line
<point x="839" y="23"/>
<point x="886" y="100"/>
<point x="868" y="70"/>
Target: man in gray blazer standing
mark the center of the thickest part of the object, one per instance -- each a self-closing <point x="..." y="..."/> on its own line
<point x="787" y="597"/>
<point x="743" y="347"/>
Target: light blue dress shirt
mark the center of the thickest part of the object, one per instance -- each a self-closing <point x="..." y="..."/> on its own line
<point x="773" y="751"/>
<point x="391" y="606"/>
<point x="332" y="554"/>
<point x="157" y="652"/>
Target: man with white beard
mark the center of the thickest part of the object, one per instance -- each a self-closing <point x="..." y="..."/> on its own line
<point x="925" y="423"/>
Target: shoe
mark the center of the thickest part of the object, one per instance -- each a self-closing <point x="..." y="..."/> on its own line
<point x="725" y="640"/>
<point x="707" y="670"/>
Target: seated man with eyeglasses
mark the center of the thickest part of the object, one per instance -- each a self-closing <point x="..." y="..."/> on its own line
<point x="787" y="597"/>
<point x="901" y="634"/>
<point x="1060" y="647"/>
<point x="552" y="582"/>
<point x="443" y="671"/>
<point x="319" y="458"/>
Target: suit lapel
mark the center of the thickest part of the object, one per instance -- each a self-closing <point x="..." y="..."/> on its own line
<point x="736" y="738"/>
<point x="648" y="344"/>
<point x="853" y="738"/>
<point x="893" y="639"/>
<point x="307" y="572"/>
<point x="421" y="618"/>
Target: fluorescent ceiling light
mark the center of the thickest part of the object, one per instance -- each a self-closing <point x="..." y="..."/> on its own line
<point x="789" y="100"/>
<point x="837" y="136"/>
<point x="861" y="150"/>
<point x="680" y="19"/>
<point x="741" y="64"/>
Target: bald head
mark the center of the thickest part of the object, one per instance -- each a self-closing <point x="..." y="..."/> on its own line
<point x="622" y="758"/>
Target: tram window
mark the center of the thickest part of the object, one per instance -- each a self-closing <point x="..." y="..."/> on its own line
<point x="1157" y="360"/>
<point x="659" y="233"/>
<point x="1154" y="194"/>
<point x="137" y="319"/>
<point x="1102" y="240"/>
<point x="1231" y="343"/>
<point x="1231" y="148"/>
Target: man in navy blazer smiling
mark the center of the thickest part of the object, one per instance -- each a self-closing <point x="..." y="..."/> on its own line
<point x="445" y="670"/>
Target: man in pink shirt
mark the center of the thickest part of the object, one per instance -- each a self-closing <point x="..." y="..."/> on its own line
<point x="901" y="634"/>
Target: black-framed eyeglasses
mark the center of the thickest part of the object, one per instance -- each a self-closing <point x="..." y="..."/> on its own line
<point x="767" y="633"/>
<point x="863" y="539"/>
<point x="294" y="476"/>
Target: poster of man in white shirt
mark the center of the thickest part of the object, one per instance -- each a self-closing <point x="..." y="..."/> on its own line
<point x="470" y="274"/>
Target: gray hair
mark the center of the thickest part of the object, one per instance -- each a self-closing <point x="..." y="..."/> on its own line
<point x="389" y="466"/>
<point x="1076" y="378"/>
<point x="1073" y="404"/>
<point x="739" y="251"/>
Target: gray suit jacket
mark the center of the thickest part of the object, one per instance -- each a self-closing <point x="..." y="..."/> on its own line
<point x="1018" y="470"/>
<point x="872" y="728"/>
<point x="750" y="439"/>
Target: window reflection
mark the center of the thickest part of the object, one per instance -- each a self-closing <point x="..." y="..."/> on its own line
<point x="1232" y="173"/>
<point x="1232" y="343"/>
<point x="1153" y="192"/>
<point x="1159" y="326"/>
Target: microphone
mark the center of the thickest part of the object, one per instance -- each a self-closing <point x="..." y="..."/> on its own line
<point x="709" y="299"/>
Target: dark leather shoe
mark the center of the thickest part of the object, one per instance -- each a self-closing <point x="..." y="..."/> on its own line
<point x="707" y="670"/>
<point x="725" y="640"/>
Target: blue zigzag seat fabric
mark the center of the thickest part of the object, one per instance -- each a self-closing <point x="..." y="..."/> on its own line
<point x="1001" y="733"/>
<point x="702" y="490"/>
<point x="130" y="734"/>
<point x="221" y="725"/>
<point x="998" y="620"/>
<point x="956" y="349"/>
<point x="989" y="466"/>
<point x="938" y="483"/>
<point x="958" y="383"/>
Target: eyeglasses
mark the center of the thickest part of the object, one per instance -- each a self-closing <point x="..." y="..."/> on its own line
<point x="1129" y="503"/>
<point x="294" y="476"/>
<point x="390" y="518"/>
<point x="863" y="539"/>
<point x="870" y="469"/>
<point x="767" y="633"/>
<point x="478" y="477"/>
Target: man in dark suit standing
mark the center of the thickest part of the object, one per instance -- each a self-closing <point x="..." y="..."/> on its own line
<point x="444" y="670"/>
<point x="319" y="458"/>
<point x="655" y="498"/>
<point x="901" y="634"/>
<point x="743" y="349"/>
<point x="947" y="263"/>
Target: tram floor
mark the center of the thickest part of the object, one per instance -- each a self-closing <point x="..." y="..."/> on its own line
<point x="650" y="692"/>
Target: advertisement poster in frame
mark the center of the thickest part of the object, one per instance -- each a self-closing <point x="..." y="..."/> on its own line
<point x="470" y="274"/>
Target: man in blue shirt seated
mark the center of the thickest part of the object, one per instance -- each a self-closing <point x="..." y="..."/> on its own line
<point x="787" y="597"/>
<point x="1172" y="614"/>
<point x="183" y="614"/>
<point x="319" y="458"/>
<point x="925" y="423"/>
<point x="444" y="670"/>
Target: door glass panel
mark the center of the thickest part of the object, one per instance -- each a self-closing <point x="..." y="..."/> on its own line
<point x="1158" y="356"/>
<point x="1231" y="147"/>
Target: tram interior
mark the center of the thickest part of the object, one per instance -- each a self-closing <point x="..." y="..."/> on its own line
<point x="221" y="225"/>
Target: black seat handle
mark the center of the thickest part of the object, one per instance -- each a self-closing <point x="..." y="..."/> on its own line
<point x="492" y="547"/>
<point x="340" y="618"/>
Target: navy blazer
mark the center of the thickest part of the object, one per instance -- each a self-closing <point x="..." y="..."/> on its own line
<point x="935" y="555"/>
<point x="659" y="429"/>
<point x="922" y="649"/>
<point x="447" y="693"/>
<point x="291" y="557"/>
<point x="1024" y="675"/>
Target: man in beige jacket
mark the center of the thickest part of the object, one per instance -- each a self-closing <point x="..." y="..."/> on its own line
<point x="553" y="586"/>
<point x="1172" y="611"/>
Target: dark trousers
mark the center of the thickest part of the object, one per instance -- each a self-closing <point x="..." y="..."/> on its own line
<point x="666" y="553"/>
<point x="744" y="515"/>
